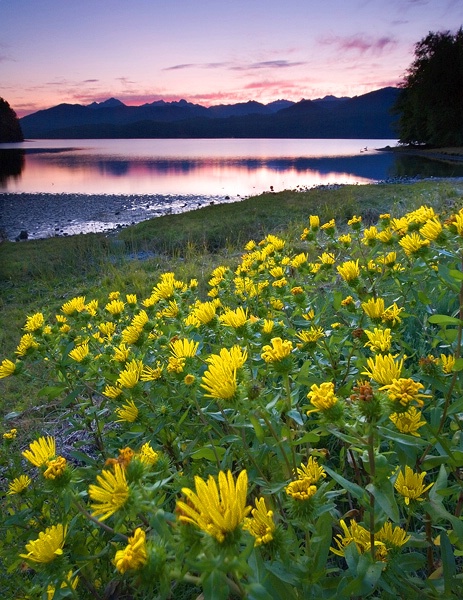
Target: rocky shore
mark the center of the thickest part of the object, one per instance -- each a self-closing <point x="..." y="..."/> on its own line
<point x="39" y="215"/>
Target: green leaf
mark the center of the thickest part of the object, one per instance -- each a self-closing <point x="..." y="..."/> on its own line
<point x="448" y="562"/>
<point x="455" y="274"/>
<point x="308" y="438"/>
<point x="256" y="591"/>
<point x="52" y="391"/>
<point x="208" y="453"/>
<point x="396" y="436"/>
<point x="215" y="586"/>
<point x="353" y="489"/>
<point x="444" y="320"/>
<point x="386" y="500"/>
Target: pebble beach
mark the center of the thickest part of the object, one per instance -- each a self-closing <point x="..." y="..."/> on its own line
<point x="43" y="215"/>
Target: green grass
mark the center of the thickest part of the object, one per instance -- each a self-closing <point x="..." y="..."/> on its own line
<point x="39" y="275"/>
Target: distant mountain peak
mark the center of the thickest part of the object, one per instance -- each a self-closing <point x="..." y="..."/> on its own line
<point x="110" y="103"/>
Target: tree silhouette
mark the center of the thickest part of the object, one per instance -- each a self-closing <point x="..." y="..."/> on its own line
<point x="430" y="105"/>
<point x="10" y="128"/>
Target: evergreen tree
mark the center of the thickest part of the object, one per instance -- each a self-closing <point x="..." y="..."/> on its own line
<point x="430" y="105"/>
<point x="10" y="128"/>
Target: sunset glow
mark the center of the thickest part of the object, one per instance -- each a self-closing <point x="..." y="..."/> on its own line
<point x="208" y="52"/>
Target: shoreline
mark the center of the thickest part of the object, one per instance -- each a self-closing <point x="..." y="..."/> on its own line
<point x="449" y="154"/>
<point x="42" y="215"/>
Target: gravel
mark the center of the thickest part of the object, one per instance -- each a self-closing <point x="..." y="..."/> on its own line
<point x="39" y="215"/>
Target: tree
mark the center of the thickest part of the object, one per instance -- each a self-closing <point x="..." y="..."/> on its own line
<point x="10" y="128"/>
<point x="430" y="105"/>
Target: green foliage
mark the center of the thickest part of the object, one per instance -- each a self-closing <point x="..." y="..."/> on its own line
<point x="430" y="104"/>
<point x="297" y="434"/>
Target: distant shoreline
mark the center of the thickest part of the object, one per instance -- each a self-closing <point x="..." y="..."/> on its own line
<point x="450" y="154"/>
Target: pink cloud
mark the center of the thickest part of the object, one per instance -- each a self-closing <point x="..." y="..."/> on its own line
<point x="360" y="43"/>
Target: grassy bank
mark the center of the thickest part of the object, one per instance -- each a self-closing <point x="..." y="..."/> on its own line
<point x="40" y="274"/>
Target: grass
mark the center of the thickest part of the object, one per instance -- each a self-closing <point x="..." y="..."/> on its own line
<point x="39" y="275"/>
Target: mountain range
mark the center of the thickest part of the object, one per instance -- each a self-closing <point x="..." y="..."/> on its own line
<point x="365" y="116"/>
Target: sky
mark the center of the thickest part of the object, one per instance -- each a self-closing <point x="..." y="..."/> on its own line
<point x="208" y="51"/>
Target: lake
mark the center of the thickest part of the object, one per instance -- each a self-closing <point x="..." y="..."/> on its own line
<point x="178" y="175"/>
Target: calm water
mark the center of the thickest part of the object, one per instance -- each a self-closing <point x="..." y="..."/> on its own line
<point x="176" y="175"/>
<point x="211" y="167"/>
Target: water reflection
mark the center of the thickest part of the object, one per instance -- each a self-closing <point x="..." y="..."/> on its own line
<point x="11" y="165"/>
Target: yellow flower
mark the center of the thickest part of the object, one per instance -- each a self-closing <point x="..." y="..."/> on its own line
<point x="349" y="270"/>
<point x="26" y="342"/>
<point x="184" y="348"/>
<point x="413" y="243"/>
<point x="329" y="226"/>
<point x="216" y="510"/>
<point x="278" y="350"/>
<point x="92" y="307"/>
<point x="355" y="220"/>
<point x="297" y="290"/>
<point x="314" y="222"/>
<point x="312" y="335"/>
<point x="111" y="493"/>
<point x="410" y="485"/>
<point x="374" y="308"/>
<point x="447" y="363"/>
<point x="347" y="301"/>
<point x="130" y="376"/>
<point x="189" y="379"/>
<point x="115" y="307"/>
<point x="220" y="378"/>
<point x="275" y="241"/>
<point x="79" y="352"/>
<point x="379" y="340"/>
<point x="47" y="546"/>
<point x="10" y="435"/>
<point x="369" y="235"/>
<point x="121" y="353"/>
<point x="261" y="524"/>
<point x="354" y="533"/>
<point x="41" y="451"/>
<point x="128" y="412"/>
<point x="391" y="314"/>
<point x="399" y="226"/>
<point x="277" y="272"/>
<point x="322" y="397"/>
<point x="299" y="260"/>
<point x="55" y="468"/>
<point x="108" y="328"/>
<point x="170" y="311"/>
<point x="409" y="421"/>
<point x="7" y="368"/>
<point x="204" y="312"/>
<point x="134" y="555"/>
<point x="345" y="239"/>
<point x="268" y="326"/>
<point x="114" y="295"/>
<point x="147" y="455"/>
<point x="150" y="374"/>
<point x="404" y="391"/>
<point x="327" y="258"/>
<point x="383" y="368"/>
<point x="276" y="303"/>
<point x="140" y="320"/>
<point x="392" y="538"/>
<point x="19" y="484"/>
<point x="112" y="391"/>
<point x="301" y="489"/>
<point x="432" y="229"/>
<point x="74" y="305"/>
<point x="234" y="318"/>
<point x="384" y="236"/>
<point x="131" y="299"/>
<point x="34" y="322"/>
<point x="176" y="365"/>
<point x="312" y="470"/>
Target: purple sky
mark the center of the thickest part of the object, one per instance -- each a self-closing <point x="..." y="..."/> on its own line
<point x="208" y="51"/>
